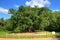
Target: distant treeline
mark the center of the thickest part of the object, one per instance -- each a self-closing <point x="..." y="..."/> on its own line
<point x="28" y="19"/>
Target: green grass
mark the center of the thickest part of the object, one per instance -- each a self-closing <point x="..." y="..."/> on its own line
<point x="57" y="35"/>
<point x="36" y="36"/>
<point x="4" y="35"/>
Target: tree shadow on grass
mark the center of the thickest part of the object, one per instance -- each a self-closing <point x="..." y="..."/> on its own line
<point x="58" y="36"/>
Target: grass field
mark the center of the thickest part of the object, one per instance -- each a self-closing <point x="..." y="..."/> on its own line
<point x="28" y="35"/>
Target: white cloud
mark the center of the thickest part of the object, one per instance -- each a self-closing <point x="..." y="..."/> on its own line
<point x="3" y="10"/>
<point x="16" y="6"/>
<point x="39" y="3"/>
<point x="55" y="10"/>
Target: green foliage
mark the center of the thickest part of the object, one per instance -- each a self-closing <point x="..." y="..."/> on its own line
<point x="28" y="19"/>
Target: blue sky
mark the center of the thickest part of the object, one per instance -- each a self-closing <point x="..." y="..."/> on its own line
<point x="5" y="5"/>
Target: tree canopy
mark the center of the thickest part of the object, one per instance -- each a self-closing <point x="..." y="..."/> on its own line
<point x="28" y="19"/>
